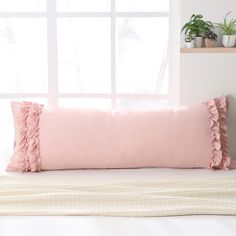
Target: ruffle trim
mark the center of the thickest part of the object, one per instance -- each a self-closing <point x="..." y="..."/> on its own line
<point x="217" y="109"/>
<point x="26" y="155"/>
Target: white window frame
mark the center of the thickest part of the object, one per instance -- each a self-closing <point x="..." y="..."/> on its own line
<point x="53" y="94"/>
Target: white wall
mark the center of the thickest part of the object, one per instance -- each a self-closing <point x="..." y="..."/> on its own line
<point x="203" y="76"/>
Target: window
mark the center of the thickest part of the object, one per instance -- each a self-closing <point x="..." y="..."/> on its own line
<point x="105" y="53"/>
<point x="86" y="53"/>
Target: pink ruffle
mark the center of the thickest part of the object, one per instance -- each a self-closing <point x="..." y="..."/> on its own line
<point x="26" y="155"/>
<point x="217" y="109"/>
<point x="33" y="150"/>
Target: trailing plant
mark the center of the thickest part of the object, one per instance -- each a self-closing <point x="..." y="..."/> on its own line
<point x="210" y="35"/>
<point x="196" y="27"/>
<point x="227" y="27"/>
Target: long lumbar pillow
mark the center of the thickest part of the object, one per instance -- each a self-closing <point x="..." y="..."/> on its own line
<point x="51" y="138"/>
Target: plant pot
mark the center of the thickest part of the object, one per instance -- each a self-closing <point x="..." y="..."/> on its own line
<point x="229" y="41"/>
<point x="209" y="43"/>
<point x="190" y="44"/>
<point x="198" y="42"/>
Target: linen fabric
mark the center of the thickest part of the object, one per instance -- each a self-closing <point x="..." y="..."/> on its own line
<point x="120" y="192"/>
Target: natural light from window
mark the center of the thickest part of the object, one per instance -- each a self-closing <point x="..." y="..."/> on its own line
<point x="83" y="53"/>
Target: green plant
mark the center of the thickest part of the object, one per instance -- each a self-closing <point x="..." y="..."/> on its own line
<point x="210" y="35"/>
<point x="196" y="27"/>
<point x="189" y="38"/>
<point x="227" y="27"/>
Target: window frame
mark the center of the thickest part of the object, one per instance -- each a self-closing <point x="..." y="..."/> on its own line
<point x="53" y="94"/>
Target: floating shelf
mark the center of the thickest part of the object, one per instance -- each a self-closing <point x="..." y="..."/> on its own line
<point x="208" y="50"/>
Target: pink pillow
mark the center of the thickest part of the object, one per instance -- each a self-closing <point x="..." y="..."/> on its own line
<point x="51" y="138"/>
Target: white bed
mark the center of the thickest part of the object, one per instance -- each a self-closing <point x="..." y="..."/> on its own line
<point x="104" y="225"/>
<point x="118" y="226"/>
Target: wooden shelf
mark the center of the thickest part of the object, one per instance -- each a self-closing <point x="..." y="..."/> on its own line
<point x="208" y="50"/>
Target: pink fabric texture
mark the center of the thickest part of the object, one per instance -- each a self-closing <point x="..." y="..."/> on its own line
<point x="26" y="155"/>
<point x="50" y="138"/>
<point x="217" y="109"/>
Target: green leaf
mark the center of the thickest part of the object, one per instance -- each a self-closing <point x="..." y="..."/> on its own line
<point x="228" y="28"/>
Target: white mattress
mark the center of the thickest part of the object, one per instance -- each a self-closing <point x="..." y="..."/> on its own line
<point x="118" y="174"/>
<point x="118" y="226"/>
<point x="94" y="225"/>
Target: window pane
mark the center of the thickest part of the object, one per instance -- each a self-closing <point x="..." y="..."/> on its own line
<point x="85" y="103"/>
<point x="23" y="5"/>
<point x="142" y="55"/>
<point x="83" y="5"/>
<point x="84" y="54"/>
<point x="142" y="5"/>
<point x="141" y="103"/>
<point x="23" y="56"/>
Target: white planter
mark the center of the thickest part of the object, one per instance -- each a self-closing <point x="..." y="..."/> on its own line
<point x="190" y="44"/>
<point x="198" y="42"/>
<point x="229" y="40"/>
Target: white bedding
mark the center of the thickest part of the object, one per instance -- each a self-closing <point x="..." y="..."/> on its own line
<point x="204" y="225"/>
<point x="118" y="226"/>
<point x="136" y="192"/>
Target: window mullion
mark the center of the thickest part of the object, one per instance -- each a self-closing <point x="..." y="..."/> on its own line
<point x="113" y="55"/>
<point x="174" y="32"/>
<point x="52" y="53"/>
<point x="23" y="14"/>
<point x="112" y="13"/>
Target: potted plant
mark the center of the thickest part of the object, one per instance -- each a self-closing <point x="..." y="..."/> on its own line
<point x="210" y="37"/>
<point x="189" y="40"/>
<point x="228" y="29"/>
<point x="197" y="26"/>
